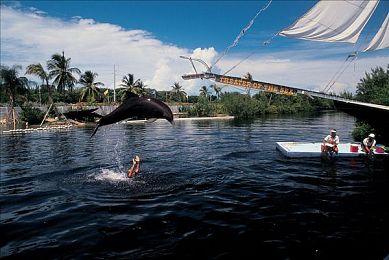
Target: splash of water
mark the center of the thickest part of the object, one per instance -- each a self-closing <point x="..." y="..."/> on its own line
<point x="111" y="175"/>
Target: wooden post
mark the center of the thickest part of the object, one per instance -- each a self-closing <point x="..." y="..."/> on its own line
<point x="46" y="114"/>
<point x="14" y="117"/>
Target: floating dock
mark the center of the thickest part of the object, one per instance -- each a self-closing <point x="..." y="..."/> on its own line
<point x="303" y="150"/>
<point x="39" y="129"/>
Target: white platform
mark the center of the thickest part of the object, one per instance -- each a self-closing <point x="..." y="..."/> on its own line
<point x="299" y="150"/>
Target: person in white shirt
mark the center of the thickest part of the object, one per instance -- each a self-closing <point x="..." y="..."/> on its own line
<point x="330" y="143"/>
<point x="368" y="143"/>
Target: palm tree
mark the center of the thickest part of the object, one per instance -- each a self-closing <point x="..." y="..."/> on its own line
<point x="140" y="88"/>
<point x="62" y="73"/>
<point x="90" y="90"/>
<point x="38" y="70"/>
<point x="14" y="87"/>
<point x="217" y="90"/>
<point x="204" y="91"/>
<point x="177" y="91"/>
<point x="129" y="85"/>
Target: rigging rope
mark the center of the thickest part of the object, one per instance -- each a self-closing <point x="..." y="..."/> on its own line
<point x="339" y="73"/>
<point x="265" y="43"/>
<point x="242" y="32"/>
<point x="236" y="65"/>
<point x="351" y="57"/>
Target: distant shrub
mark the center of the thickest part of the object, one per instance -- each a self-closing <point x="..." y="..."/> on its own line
<point x="32" y="115"/>
<point x="203" y="107"/>
<point x="240" y="106"/>
<point x="361" y="131"/>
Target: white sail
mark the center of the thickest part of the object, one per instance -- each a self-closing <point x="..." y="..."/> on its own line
<point x="333" y="21"/>
<point x="381" y="39"/>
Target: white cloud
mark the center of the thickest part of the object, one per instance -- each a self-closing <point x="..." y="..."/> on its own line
<point x="31" y="36"/>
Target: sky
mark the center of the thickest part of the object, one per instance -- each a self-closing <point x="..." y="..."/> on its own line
<point x="147" y="38"/>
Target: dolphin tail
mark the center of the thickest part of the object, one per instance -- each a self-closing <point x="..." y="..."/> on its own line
<point x="94" y="131"/>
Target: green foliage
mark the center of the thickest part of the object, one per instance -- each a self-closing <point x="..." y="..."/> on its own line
<point x="39" y="71"/>
<point x="61" y="72"/>
<point x="244" y="106"/>
<point x="67" y="97"/>
<point x="31" y="115"/>
<point x="374" y="88"/>
<point x="177" y="93"/>
<point x="14" y="87"/>
<point x="361" y="131"/>
<point x="241" y="106"/>
<point x="204" y="108"/>
<point x="193" y="99"/>
<point x="90" y="91"/>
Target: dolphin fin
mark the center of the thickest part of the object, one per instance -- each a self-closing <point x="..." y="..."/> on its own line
<point x="94" y="131"/>
<point x="151" y="120"/>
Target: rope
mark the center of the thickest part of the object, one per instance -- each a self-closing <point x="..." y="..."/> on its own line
<point x="339" y="73"/>
<point x="242" y="32"/>
<point x="236" y="65"/>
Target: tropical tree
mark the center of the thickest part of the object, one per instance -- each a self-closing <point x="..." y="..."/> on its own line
<point x="140" y="88"/>
<point x="374" y="88"/>
<point x="90" y="87"/>
<point x="217" y="90"/>
<point x="129" y="85"/>
<point x="204" y="91"/>
<point x="38" y="70"/>
<point x="13" y="86"/>
<point x="177" y="92"/>
<point x="62" y="73"/>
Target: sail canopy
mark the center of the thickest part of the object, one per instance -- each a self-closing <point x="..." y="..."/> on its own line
<point x="333" y="21"/>
<point x="381" y="39"/>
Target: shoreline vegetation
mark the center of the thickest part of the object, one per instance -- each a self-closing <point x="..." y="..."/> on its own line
<point x="62" y="85"/>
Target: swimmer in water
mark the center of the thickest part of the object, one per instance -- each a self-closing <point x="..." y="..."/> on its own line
<point x="134" y="170"/>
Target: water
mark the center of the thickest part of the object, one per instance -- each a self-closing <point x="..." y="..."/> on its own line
<point x="209" y="189"/>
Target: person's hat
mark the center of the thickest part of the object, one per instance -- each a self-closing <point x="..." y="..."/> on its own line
<point x="371" y="135"/>
<point x="137" y="159"/>
<point x="333" y="131"/>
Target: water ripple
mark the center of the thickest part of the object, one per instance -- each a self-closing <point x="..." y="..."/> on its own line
<point x="210" y="189"/>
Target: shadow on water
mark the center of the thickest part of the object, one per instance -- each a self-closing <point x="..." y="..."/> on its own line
<point x="207" y="189"/>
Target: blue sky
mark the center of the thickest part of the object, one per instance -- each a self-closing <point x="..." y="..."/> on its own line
<point x="152" y="34"/>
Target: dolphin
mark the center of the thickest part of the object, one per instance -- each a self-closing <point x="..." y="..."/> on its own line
<point x="136" y="106"/>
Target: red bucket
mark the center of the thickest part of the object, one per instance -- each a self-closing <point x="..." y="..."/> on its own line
<point x="354" y="148"/>
<point x="379" y="149"/>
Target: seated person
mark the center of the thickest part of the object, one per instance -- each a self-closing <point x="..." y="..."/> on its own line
<point x="330" y="143"/>
<point x="134" y="170"/>
<point x="368" y="143"/>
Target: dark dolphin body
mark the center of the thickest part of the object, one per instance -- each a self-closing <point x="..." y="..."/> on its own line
<point x="140" y="107"/>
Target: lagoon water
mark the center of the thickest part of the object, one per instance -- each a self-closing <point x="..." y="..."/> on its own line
<point x="207" y="189"/>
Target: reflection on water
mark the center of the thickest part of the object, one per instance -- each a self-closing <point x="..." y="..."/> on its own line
<point x="207" y="189"/>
